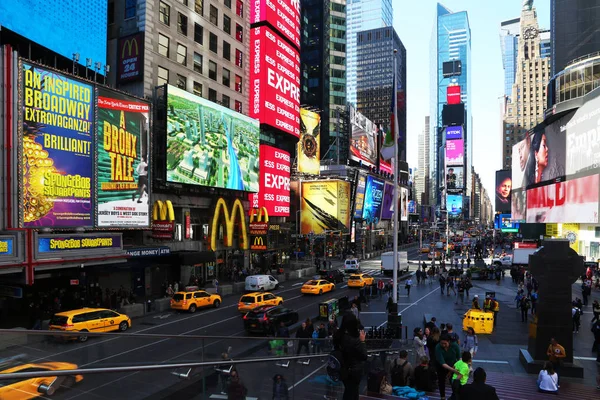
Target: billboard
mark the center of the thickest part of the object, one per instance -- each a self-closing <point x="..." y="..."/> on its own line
<point x="583" y="138"/>
<point x="403" y="204"/>
<point x="283" y="15"/>
<point x="384" y="166"/>
<point x="454" y="204"/>
<point x="455" y="178"/>
<point x="574" y="201"/>
<point x="325" y="206"/>
<point x="387" y="208"/>
<point x="455" y="153"/>
<point x="503" y="191"/>
<point x="39" y="20"/>
<point x="309" y="146"/>
<point x="520" y="160"/>
<point x="454" y="132"/>
<point x="412" y="207"/>
<point x="360" y="196"/>
<point x="363" y="145"/>
<point x="57" y="150"/>
<point x="274" y="183"/>
<point x="373" y="199"/>
<point x="518" y="207"/>
<point x="233" y="217"/>
<point x="130" y="58"/>
<point x="547" y="154"/>
<point x="506" y="224"/>
<point x="122" y="185"/>
<point x="210" y="145"/>
<point x="453" y="94"/>
<point x="453" y="114"/>
<point x="274" y="81"/>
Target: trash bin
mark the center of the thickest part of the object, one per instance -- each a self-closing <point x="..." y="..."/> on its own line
<point x="480" y="321"/>
<point x="329" y="309"/>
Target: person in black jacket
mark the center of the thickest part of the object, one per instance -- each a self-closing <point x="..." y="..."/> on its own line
<point x="478" y="390"/>
<point x="304" y="333"/>
<point x="425" y="376"/>
<point x="351" y="342"/>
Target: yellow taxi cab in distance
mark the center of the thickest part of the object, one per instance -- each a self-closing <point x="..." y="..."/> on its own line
<point x="360" y="280"/>
<point x="89" y="320"/>
<point x="20" y="389"/>
<point x="191" y="301"/>
<point x="317" y="286"/>
<point x="250" y="301"/>
<point x="425" y="249"/>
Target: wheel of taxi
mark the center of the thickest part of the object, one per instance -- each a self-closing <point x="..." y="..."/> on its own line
<point x="48" y="390"/>
<point x="320" y="291"/>
<point x="280" y="303"/>
<point x="192" y="308"/>
<point x="82" y="338"/>
<point x="216" y="304"/>
<point x="123" y="326"/>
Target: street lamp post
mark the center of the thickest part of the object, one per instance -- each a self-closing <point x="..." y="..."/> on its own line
<point x="298" y="216"/>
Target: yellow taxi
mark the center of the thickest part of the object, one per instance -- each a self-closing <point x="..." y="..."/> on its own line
<point x="360" y="280"/>
<point x="89" y="320"/>
<point x="21" y="389"/>
<point x="250" y="301"/>
<point x="191" y="301"/>
<point x="424" y="249"/>
<point x="317" y="286"/>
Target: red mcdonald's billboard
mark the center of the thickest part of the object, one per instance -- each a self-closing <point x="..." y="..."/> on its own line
<point x="130" y="56"/>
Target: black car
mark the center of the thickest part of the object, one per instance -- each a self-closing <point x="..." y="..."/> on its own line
<point x="332" y="275"/>
<point x="266" y="319"/>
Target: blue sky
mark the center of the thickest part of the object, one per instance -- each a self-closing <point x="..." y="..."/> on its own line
<point x="413" y="20"/>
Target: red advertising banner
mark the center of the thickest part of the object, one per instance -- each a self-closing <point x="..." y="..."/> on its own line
<point x="453" y="94"/>
<point x="274" y="192"/>
<point x="526" y="245"/>
<point x="573" y="201"/>
<point x="130" y="55"/>
<point x="283" y="15"/>
<point x="275" y="81"/>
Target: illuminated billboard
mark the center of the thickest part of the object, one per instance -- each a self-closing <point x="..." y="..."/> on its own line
<point x="130" y="53"/>
<point x="403" y="204"/>
<point x="57" y="150"/>
<point x="454" y="205"/>
<point x="360" y="196"/>
<point x="39" y="21"/>
<point x="274" y="193"/>
<point x="455" y="179"/>
<point x="274" y="81"/>
<point x="412" y="207"/>
<point x="455" y="153"/>
<point x="454" y="132"/>
<point x="547" y="153"/>
<point x="283" y="15"/>
<point x="309" y="151"/>
<point x="210" y="145"/>
<point x="122" y="152"/>
<point x="384" y="166"/>
<point x="571" y="201"/>
<point x="453" y="94"/>
<point x="325" y="206"/>
<point x="583" y="138"/>
<point x="373" y="199"/>
<point x="503" y="191"/>
<point x="387" y="208"/>
<point x="363" y="144"/>
<point x="520" y="160"/>
<point x="518" y="205"/>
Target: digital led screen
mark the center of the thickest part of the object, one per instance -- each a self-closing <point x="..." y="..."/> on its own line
<point x="453" y="114"/>
<point x="274" y="193"/>
<point x="373" y="199"/>
<point x="547" y="154"/>
<point x="363" y="145"/>
<point x="210" y="145"/>
<point x="518" y="207"/>
<point x="455" y="153"/>
<point x="309" y="145"/>
<point x="325" y="206"/>
<point x="360" y="196"/>
<point x="583" y="138"/>
<point x="455" y="178"/>
<point x="453" y="94"/>
<point x="403" y="204"/>
<point x="384" y="166"/>
<point x="505" y="223"/>
<point x="503" y="191"/>
<point x="454" y="204"/>
<point x="130" y="63"/>
<point x="387" y="208"/>
<point x="274" y="81"/>
<point x="283" y="15"/>
<point x="412" y="207"/>
<point x="454" y="132"/>
<point x="520" y="160"/>
<point x="82" y="26"/>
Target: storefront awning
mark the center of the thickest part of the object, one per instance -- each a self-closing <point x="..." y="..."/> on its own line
<point x="196" y="257"/>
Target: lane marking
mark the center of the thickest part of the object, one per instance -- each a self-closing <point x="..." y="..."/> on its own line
<point x="343" y="287"/>
<point x="406" y="308"/>
<point x="373" y="312"/>
<point x="306" y="377"/>
<point x="585" y="358"/>
<point x="298" y="284"/>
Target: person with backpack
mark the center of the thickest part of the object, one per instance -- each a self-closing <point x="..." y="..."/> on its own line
<point x="402" y="372"/>
<point x="346" y="361"/>
<point x="525" y="305"/>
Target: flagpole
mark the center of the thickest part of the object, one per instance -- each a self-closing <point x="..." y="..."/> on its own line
<point x="396" y="206"/>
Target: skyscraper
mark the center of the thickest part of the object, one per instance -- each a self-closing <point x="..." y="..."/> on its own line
<point x="422" y="182"/>
<point x="362" y="15"/>
<point x="524" y="106"/>
<point x="575" y="29"/>
<point x="450" y="41"/>
<point x="375" y="61"/>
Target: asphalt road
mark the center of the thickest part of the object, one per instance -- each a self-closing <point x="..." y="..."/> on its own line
<point x="225" y="321"/>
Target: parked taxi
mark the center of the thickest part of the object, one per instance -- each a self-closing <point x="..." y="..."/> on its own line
<point x="250" y="301"/>
<point x="89" y="320"/>
<point x="425" y="249"/>
<point x="20" y="389"/>
<point x="360" y="280"/>
<point x="191" y="301"/>
<point x="317" y="286"/>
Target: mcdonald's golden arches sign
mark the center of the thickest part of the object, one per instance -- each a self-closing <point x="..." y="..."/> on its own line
<point x="130" y="50"/>
<point x="259" y="228"/>
<point x="230" y="215"/>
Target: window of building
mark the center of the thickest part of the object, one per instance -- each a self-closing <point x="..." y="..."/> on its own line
<point x="226" y="102"/>
<point x="239" y="58"/>
<point x="199" y="7"/>
<point x="212" y="95"/>
<point x="212" y="70"/>
<point x="182" y="24"/>
<point x="214" y="15"/>
<point x="198" y="33"/>
<point x="181" y="54"/>
<point x="197" y="88"/>
<point x="226" y="51"/>
<point x="130" y="6"/>
<point x="163" y="76"/>
<point x="239" y="8"/>
<point x="238" y="106"/>
<point x="181" y="82"/>
<point x="163" y="45"/>
<point x="212" y="42"/>
<point x="227" y="24"/>
<point x="238" y="84"/>
<point x="239" y="32"/>
<point x="164" y="13"/>
<point x="197" y="62"/>
<point x="226" y="77"/>
<point x="111" y="13"/>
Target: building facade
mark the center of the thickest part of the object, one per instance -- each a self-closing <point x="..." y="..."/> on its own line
<point x="375" y="74"/>
<point x="363" y="15"/>
<point x="574" y="30"/>
<point x="422" y="182"/>
<point x="450" y="41"/>
<point x="524" y="108"/>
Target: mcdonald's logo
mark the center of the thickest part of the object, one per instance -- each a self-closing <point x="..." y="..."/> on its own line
<point x="163" y="220"/>
<point x="259" y="213"/>
<point x="130" y="52"/>
<point x="258" y="243"/>
<point x="237" y="212"/>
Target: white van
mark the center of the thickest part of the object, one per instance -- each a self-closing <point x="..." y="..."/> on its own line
<point x="351" y="265"/>
<point x="257" y="283"/>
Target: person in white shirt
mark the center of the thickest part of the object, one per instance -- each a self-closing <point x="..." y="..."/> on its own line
<point x="142" y="171"/>
<point x="408" y="285"/>
<point x="419" y="343"/>
<point x="548" y="379"/>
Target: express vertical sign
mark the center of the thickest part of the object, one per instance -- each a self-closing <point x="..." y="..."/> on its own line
<point x="274" y="193"/>
<point x="283" y="15"/>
